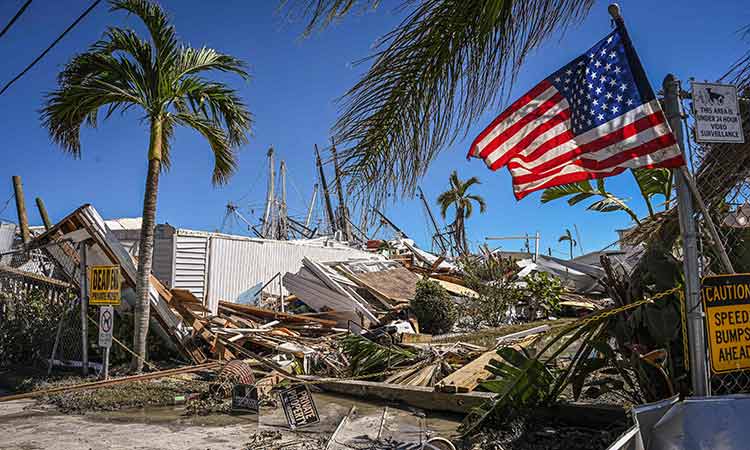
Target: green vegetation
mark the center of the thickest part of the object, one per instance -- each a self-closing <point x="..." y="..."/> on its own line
<point x="433" y="307"/>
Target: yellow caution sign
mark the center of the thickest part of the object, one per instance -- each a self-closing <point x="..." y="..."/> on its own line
<point x="104" y="285"/>
<point x="726" y="301"/>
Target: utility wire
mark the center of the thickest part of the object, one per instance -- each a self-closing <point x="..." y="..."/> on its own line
<point x="59" y="38"/>
<point x="7" y="202"/>
<point x="13" y="20"/>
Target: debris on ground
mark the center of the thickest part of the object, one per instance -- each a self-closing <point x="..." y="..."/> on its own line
<point x="351" y="326"/>
<point x="137" y="394"/>
<point x="529" y="433"/>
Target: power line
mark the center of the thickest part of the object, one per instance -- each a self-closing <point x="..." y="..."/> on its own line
<point x="59" y="38"/>
<point x="7" y="202"/>
<point x="13" y="20"/>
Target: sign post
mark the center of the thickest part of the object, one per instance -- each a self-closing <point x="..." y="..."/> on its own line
<point x="104" y="290"/>
<point x="696" y="339"/>
<point x="106" y="326"/>
<point x="726" y="299"/>
<point x="717" y="113"/>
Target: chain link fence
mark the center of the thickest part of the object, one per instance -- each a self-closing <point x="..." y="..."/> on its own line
<point x="722" y="173"/>
<point x="40" y="308"/>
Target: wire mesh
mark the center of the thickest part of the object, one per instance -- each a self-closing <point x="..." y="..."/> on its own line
<point x="722" y="173"/>
<point x="37" y="303"/>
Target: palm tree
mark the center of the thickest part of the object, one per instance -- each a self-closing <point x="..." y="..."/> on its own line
<point x="434" y="75"/>
<point x="568" y="236"/>
<point x="167" y="83"/>
<point x="458" y="198"/>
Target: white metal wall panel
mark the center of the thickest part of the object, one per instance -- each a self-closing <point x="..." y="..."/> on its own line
<point x="190" y="262"/>
<point x="163" y="254"/>
<point x="7" y="236"/>
<point x="238" y="264"/>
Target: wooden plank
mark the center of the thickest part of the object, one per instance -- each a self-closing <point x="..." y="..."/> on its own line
<point x="415" y="338"/>
<point x="468" y="377"/>
<point x="35" y="277"/>
<point x="418" y="396"/>
<point x="275" y="315"/>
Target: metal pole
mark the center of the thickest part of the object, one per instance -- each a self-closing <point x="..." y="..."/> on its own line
<point x="695" y="321"/>
<point x="106" y="363"/>
<point x="23" y="219"/>
<point x="326" y="194"/>
<point x="84" y="311"/>
<point x="270" y="196"/>
<point x="536" y="247"/>
<point x="312" y="206"/>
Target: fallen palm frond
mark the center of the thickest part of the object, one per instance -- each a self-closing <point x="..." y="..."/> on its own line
<point x="368" y="357"/>
<point x="524" y="381"/>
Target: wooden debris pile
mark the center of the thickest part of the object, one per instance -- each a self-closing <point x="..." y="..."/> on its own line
<point x="298" y="343"/>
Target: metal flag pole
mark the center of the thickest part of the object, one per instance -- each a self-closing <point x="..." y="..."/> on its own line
<point x="695" y="322"/>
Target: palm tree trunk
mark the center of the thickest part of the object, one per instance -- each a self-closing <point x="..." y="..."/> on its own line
<point x="146" y="248"/>
<point x="461" y="231"/>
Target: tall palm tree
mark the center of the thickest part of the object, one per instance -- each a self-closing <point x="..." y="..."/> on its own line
<point x="568" y="236"/>
<point x="459" y="198"/>
<point x="434" y="75"/>
<point x="166" y="81"/>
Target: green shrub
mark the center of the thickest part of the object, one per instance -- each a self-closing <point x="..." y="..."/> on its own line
<point x="433" y="307"/>
<point x="27" y="326"/>
<point x="542" y="294"/>
<point x="491" y="279"/>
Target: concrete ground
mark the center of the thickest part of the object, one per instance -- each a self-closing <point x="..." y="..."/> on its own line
<point x="26" y="426"/>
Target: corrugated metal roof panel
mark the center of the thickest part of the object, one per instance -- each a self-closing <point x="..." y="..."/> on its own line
<point x="238" y="264"/>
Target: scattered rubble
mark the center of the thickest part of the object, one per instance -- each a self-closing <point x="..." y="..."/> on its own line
<point x="345" y="326"/>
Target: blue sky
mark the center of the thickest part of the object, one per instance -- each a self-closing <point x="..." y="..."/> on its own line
<point x="292" y="96"/>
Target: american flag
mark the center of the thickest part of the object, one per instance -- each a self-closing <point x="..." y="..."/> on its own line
<point x="594" y="118"/>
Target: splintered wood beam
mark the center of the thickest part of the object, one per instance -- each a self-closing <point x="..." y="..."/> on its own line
<point x="468" y="377"/>
<point x="269" y="314"/>
<point x="418" y="396"/>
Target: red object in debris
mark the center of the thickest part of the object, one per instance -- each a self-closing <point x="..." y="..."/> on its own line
<point x="375" y="243"/>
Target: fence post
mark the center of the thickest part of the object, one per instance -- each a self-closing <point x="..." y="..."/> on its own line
<point x="694" y="309"/>
<point x="84" y="311"/>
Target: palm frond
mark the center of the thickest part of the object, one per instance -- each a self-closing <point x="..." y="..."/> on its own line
<point x="225" y="158"/>
<point x="219" y="104"/>
<point x="192" y="61"/>
<point x="153" y="16"/>
<point x="653" y="182"/>
<point x="611" y="204"/>
<point x="445" y="200"/>
<point x="322" y="13"/>
<point x="739" y="72"/>
<point x="368" y="357"/>
<point x="556" y="192"/>
<point x="447" y="63"/>
<point x="480" y="201"/>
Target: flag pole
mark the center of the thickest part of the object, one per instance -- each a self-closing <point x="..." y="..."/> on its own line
<point x="614" y="11"/>
<point x="695" y="322"/>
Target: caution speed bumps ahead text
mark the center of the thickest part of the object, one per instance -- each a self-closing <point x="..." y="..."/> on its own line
<point x="726" y="300"/>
